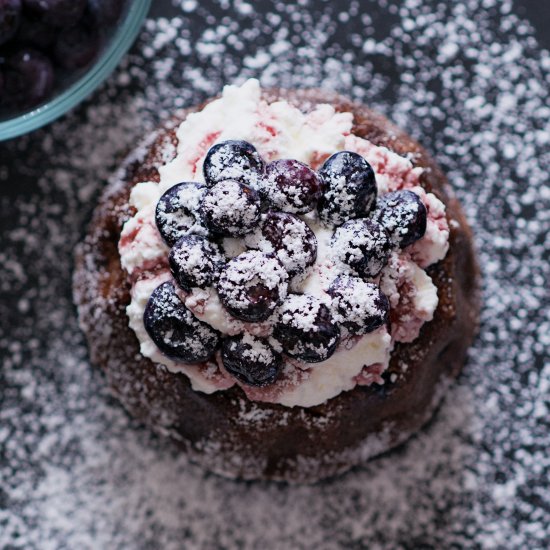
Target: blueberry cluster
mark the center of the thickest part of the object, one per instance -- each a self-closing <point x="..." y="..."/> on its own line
<point x="44" y="40"/>
<point x="243" y="197"/>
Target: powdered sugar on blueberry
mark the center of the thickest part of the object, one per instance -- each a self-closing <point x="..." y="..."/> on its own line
<point x="230" y="208"/>
<point x="177" y="211"/>
<point x="350" y="188"/>
<point x="291" y="186"/>
<point x="252" y="285"/>
<point x="359" y="306"/>
<point x="252" y="360"/>
<point x="289" y="238"/>
<point x="233" y="160"/>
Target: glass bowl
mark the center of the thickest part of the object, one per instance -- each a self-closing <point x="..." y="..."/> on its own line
<point x="65" y="99"/>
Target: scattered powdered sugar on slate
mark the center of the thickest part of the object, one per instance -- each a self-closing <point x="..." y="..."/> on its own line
<point x="469" y="80"/>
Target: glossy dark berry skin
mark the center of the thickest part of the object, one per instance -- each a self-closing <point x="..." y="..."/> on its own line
<point x="230" y="209"/>
<point x="403" y="215"/>
<point x="233" y="160"/>
<point x="289" y="238"/>
<point x="252" y="285"/>
<point x="359" y="306"/>
<point x="10" y="18"/>
<point x="363" y="245"/>
<point x="177" y="212"/>
<point x="251" y="360"/>
<point x="350" y="188"/>
<point x="58" y="13"/>
<point x="36" y="33"/>
<point x="291" y="186"/>
<point x="306" y="328"/>
<point x="175" y="330"/>
<point x="67" y="34"/>
<point x="76" y="47"/>
<point x="195" y="262"/>
<point x="28" y="79"/>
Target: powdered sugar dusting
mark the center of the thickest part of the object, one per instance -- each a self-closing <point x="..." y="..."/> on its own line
<point x="250" y="269"/>
<point x="301" y="312"/>
<point x="356" y="303"/>
<point x="469" y="80"/>
<point x="227" y="206"/>
<point x="257" y="350"/>
<point x="360" y="247"/>
<point x="289" y="238"/>
<point x="412" y="296"/>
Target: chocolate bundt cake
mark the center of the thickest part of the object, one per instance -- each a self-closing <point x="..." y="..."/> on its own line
<point x="281" y="281"/>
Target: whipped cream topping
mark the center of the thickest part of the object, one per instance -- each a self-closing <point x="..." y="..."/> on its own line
<point x="280" y="130"/>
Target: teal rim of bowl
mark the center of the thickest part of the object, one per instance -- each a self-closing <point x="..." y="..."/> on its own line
<point x="109" y="59"/>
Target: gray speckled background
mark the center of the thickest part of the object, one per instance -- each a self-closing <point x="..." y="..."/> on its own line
<point x="470" y="80"/>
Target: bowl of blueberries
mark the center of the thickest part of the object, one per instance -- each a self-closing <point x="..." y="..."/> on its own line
<point x="54" y="53"/>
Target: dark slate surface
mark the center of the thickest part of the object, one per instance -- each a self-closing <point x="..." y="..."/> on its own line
<point x="470" y="80"/>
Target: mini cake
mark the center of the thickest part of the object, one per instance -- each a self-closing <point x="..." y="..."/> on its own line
<point x="281" y="281"/>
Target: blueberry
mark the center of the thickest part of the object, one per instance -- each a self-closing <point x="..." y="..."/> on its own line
<point x="58" y="13"/>
<point x="230" y="209"/>
<point x="350" y="188"/>
<point x="28" y="79"/>
<point x="177" y="212"/>
<point x="252" y="285"/>
<point x="36" y="33"/>
<point x="233" y="160"/>
<point x="291" y="186"/>
<point x="403" y="215"/>
<point x="106" y="12"/>
<point x="10" y="18"/>
<point x="251" y="360"/>
<point x="363" y="245"/>
<point x="289" y="238"/>
<point x="76" y="47"/>
<point x="359" y="306"/>
<point x="175" y="331"/>
<point x="195" y="261"/>
<point x="306" y="329"/>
